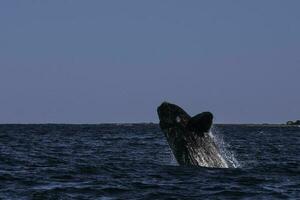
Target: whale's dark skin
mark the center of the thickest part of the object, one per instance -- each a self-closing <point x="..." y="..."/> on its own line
<point x="188" y="136"/>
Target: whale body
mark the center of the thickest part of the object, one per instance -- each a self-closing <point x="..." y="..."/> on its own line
<point x="189" y="137"/>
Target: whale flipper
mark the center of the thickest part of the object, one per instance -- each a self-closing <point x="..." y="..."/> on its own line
<point x="200" y="123"/>
<point x="187" y="136"/>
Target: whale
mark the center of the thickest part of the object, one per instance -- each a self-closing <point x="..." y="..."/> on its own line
<point x="189" y="137"/>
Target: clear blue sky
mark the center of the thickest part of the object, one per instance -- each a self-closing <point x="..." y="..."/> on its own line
<point x="116" y="61"/>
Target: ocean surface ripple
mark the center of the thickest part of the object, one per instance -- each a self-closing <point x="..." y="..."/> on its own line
<point x="133" y="161"/>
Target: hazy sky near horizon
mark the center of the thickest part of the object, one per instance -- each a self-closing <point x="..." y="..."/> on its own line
<point x="69" y="61"/>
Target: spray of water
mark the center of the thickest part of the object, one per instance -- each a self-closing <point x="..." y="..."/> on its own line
<point x="224" y="149"/>
<point x="226" y="156"/>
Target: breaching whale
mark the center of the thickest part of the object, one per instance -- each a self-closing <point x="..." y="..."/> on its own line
<point x="189" y="137"/>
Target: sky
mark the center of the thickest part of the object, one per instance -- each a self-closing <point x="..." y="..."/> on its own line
<point x="66" y="61"/>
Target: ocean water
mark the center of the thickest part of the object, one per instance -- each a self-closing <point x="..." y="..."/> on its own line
<point x="134" y="161"/>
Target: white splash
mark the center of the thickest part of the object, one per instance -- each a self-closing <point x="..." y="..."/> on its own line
<point x="223" y="147"/>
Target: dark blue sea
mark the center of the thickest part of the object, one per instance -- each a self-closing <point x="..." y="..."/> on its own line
<point x="134" y="161"/>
